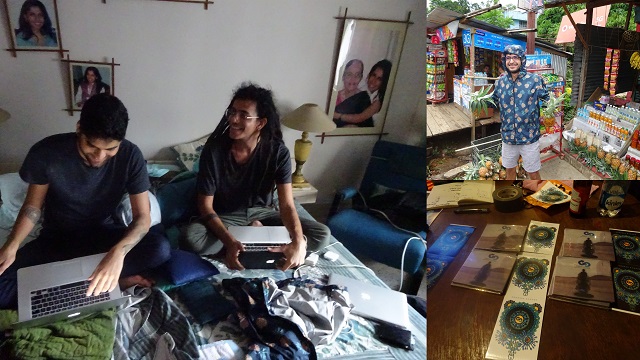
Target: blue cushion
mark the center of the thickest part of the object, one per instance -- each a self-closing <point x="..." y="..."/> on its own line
<point x="184" y="267"/>
<point x="177" y="201"/>
<point x="365" y="234"/>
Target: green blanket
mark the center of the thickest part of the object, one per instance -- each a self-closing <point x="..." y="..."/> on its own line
<point x="88" y="338"/>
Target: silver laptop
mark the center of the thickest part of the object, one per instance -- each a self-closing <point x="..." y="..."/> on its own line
<point x="259" y="238"/>
<point x="57" y="291"/>
<point x="375" y="302"/>
<point x="256" y="241"/>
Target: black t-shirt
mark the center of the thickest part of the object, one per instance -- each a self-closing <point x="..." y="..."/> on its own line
<point x="79" y="195"/>
<point x="251" y="184"/>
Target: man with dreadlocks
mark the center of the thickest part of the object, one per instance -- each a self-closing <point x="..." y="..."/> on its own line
<point x="242" y="162"/>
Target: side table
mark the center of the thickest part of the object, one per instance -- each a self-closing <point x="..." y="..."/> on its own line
<point x="305" y="195"/>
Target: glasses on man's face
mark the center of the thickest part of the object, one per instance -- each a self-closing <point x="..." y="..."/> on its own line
<point x="243" y="115"/>
<point x="514" y="58"/>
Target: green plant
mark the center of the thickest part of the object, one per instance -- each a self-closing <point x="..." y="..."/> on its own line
<point x="552" y="105"/>
<point x="481" y="99"/>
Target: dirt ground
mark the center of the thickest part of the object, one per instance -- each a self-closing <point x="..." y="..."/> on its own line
<point x="441" y="154"/>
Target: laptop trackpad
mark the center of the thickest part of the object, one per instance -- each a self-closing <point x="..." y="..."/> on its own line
<point x="69" y="270"/>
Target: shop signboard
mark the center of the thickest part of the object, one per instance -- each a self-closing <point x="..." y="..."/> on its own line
<point x="537" y="62"/>
<point x="490" y="41"/>
<point x="566" y="31"/>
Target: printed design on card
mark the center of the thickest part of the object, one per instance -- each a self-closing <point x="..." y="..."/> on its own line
<point x="541" y="237"/>
<point x="552" y="195"/>
<point x="435" y="268"/>
<point x="627" y="246"/>
<point x="519" y="322"/>
<point x="627" y="285"/>
<point x="454" y="237"/>
<point x="530" y="274"/>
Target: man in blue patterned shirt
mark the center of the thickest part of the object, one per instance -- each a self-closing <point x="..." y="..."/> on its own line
<point x="517" y="95"/>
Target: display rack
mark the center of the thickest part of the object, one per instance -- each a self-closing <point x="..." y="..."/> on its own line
<point x="436" y="66"/>
<point x="613" y="127"/>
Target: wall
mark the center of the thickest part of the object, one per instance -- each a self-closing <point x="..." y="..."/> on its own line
<point x="180" y="63"/>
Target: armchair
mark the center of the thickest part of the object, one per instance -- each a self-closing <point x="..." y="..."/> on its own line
<point x="394" y="182"/>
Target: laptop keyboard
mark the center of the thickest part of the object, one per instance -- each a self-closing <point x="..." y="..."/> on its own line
<point x="261" y="247"/>
<point x="64" y="297"/>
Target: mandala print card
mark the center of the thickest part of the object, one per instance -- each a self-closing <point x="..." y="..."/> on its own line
<point x="588" y="244"/>
<point x="451" y="240"/>
<point x="627" y="247"/>
<point x="541" y="237"/>
<point x="530" y="278"/>
<point x="436" y="264"/>
<point x="486" y="271"/>
<point x="516" y="334"/>
<point x="553" y="192"/>
<point x="626" y="282"/>
<point x="585" y="281"/>
<point x="502" y="237"/>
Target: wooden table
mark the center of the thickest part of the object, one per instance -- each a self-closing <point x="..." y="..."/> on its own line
<point x="460" y="321"/>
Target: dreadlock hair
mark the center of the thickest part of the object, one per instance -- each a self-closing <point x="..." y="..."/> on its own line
<point x="265" y="107"/>
<point x="104" y="116"/>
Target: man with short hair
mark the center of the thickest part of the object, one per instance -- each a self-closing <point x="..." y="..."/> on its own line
<point x="242" y="162"/>
<point x="517" y="95"/>
<point x="80" y="178"/>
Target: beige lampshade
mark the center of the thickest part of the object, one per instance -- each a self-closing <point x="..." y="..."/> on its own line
<point x="309" y="118"/>
<point x="4" y="115"/>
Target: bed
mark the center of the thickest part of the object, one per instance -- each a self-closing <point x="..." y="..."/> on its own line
<point x="179" y="328"/>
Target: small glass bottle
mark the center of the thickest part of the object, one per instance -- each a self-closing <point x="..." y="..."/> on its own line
<point x="612" y="197"/>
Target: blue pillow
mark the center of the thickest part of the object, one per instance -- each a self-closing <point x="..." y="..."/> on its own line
<point x="185" y="266"/>
<point x="177" y="201"/>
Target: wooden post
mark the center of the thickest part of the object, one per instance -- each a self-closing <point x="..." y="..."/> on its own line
<point x="472" y="70"/>
<point x="626" y="23"/>
<point x="531" y="36"/>
<point x="585" y="56"/>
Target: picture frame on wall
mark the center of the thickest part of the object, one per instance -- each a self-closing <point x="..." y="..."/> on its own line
<point x="88" y="78"/>
<point x="33" y="25"/>
<point x="365" y="72"/>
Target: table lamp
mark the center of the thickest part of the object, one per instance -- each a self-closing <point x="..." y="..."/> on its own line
<point x="4" y="115"/>
<point x="307" y="118"/>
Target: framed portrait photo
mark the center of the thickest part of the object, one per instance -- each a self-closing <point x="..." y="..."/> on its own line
<point x="87" y="79"/>
<point x="33" y="24"/>
<point x="365" y="72"/>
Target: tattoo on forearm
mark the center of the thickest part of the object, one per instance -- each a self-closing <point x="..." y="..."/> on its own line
<point x="208" y="217"/>
<point x="134" y="231"/>
<point x="32" y="213"/>
<point x="127" y="248"/>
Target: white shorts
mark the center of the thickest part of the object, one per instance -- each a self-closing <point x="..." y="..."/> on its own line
<point x="530" y="156"/>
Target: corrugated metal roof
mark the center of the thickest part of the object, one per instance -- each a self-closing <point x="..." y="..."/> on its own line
<point x="439" y="17"/>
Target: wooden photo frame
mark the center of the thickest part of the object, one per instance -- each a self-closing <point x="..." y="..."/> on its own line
<point x="205" y="2"/>
<point x="88" y="78"/>
<point x="33" y="25"/>
<point x="365" y="72"/>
